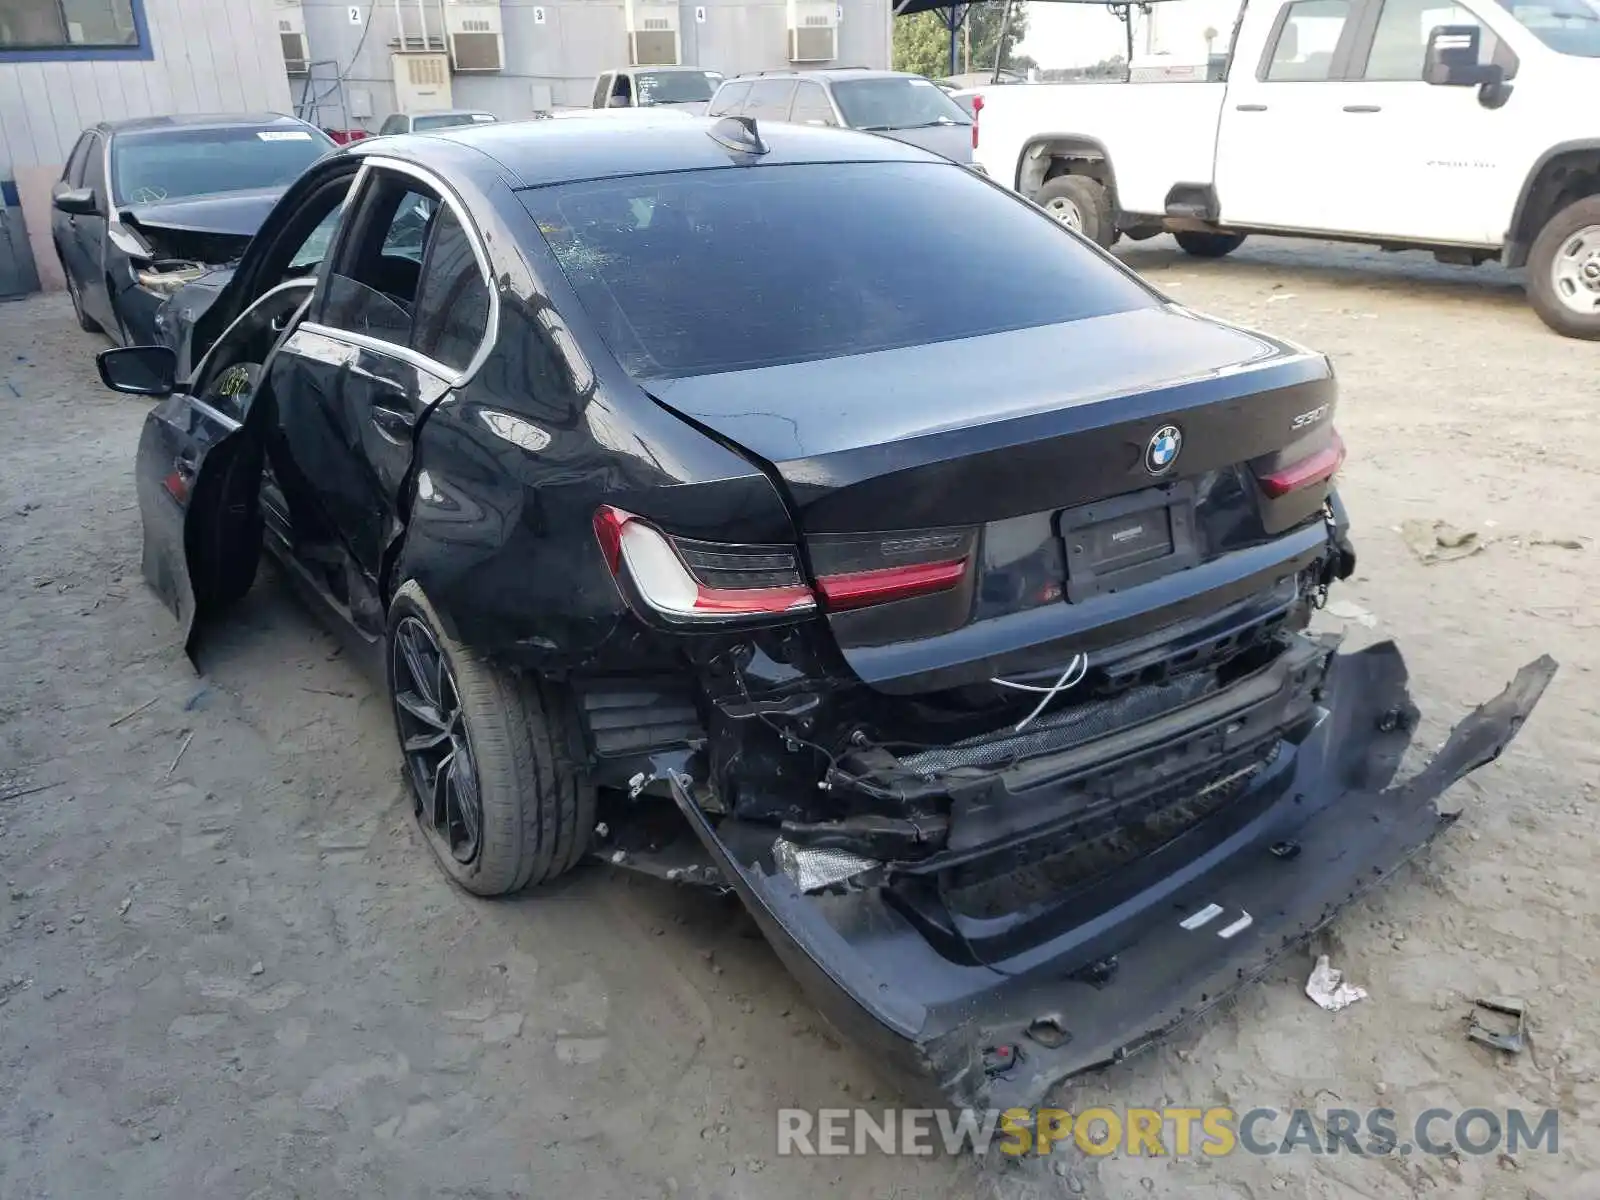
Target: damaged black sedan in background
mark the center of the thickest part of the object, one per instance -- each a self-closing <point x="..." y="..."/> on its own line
<point x="146" y="206"/>
<point x="924" y="577"/>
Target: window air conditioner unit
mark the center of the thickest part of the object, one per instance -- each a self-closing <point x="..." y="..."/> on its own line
<point x="813" y="31"/>
<point x="422" y="82"/>
<point x="292" y="37"/>
<point x="476" y="36"/>
<point x="652" y="33"/>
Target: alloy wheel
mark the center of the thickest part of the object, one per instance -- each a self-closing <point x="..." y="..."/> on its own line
<point x="1575" y="272"/>
<point x="1065" y="211"/>
<point x="433" y="735"/>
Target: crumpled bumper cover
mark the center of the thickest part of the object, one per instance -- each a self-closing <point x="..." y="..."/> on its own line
<point x="956" y="1033"/>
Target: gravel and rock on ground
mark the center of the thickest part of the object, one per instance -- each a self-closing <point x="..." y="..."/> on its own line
<point x="228" y="967"/>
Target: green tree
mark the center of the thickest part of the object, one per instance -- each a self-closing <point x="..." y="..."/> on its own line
<point x="922" y="42"/>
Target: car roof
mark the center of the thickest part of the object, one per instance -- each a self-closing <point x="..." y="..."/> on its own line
<point x="453" y="112"/>
<point x="202" y="121"/>
<point x="663" y="68"/>
<point x="830" y="74"/>
<point x="539" y="153"/>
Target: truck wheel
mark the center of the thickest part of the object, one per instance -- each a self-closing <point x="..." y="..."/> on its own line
<point x="1208" y="245"/>
<point x="1079" y="203"/>
<point x="1564" y="271"/>
<point x="488" y="755"/>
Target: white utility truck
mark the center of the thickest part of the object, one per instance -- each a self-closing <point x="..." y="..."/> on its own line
<point x="1469" y="129"/>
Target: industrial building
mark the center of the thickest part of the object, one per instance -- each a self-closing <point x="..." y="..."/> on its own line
<point x="67" y="64"/>
<point x="516" y="57"/>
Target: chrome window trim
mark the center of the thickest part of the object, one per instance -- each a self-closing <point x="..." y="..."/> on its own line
<point x="491" y="334"/>
<point x="215" y="414"/>
<point x="405" y="354"/>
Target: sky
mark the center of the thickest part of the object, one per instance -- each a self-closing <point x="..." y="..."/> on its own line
<point x="1076" y="35"/>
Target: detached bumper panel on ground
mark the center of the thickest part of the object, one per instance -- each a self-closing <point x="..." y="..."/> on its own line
<point x="1314" y="832"/>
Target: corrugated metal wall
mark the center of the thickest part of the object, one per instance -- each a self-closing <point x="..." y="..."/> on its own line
<point x="209" y="56"/>
<point x="559" y="46"/>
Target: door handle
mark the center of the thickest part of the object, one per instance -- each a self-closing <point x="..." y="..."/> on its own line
<point x="1250" y="107"/>
<point x="1363" y="108"/>
<point x="395" y="424"/>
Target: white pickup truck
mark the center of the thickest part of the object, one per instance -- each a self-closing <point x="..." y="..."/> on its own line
<point x="1469" y="129"/>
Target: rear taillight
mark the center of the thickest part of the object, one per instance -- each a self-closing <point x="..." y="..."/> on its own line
<point x="1316" y="467"/>
<point x="857" y="570"/>
<point x="977" y="111"/>
<point x="686" y="580"/>
<point x="689" y="581"/>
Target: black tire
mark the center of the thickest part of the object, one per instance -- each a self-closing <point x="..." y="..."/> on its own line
<point x="1208" y="245"/>
<point x="1090" y="201"/>
<point x="85" y="322"/>
<point x="537" y="811"/>
<point x="1553" y="299"/>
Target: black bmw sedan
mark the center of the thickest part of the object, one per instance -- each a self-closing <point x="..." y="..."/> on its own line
<point x="147" y="205"/>
<point x="794" y="511"/>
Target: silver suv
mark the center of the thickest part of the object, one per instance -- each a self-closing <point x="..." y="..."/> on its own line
<point x="896" y="104"/>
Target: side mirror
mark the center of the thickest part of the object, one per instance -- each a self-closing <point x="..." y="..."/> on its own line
<point x="1452" y="58"/>
<point x="76" y="202"/>
<point x="617" y="102"/>
<point x="139" y="370"/>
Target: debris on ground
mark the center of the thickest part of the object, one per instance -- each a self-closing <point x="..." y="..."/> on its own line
<point x="1344" y="610"/>
<point x="133" y="712"/>
<point x="1560" y="542"/>
<point x="1439" y="541"/>
<point x="1500" y="1022"/>
<point x="1328" y="988"/>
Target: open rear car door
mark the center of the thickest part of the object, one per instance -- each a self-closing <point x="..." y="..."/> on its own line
<point x="201" y="455"/>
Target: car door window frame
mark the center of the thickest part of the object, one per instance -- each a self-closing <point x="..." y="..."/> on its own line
<point x="736" y="105"/>
<point x="1367" y="35"/>
<point x="358" y="190"/>
<point x="1339" y="66"/>
<point x="78" y="161"/>
<point x="805" y="87"/>
<point x="99" y="152"/>
<point x="782" y="106"/>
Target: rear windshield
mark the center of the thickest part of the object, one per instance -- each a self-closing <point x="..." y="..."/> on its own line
<point x="148" y="168"/>
<point x="675" y="87"/>
<point x="448" y="120"/>
<point x="723" y="270"/>
<point x="896" y="103"/>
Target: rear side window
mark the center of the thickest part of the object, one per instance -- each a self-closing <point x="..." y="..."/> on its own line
<point x="1307" y="38"/>
<point x="769" y="99"/>
<point x="452" y="312"/>
<point x="896" y="102"/>
<point x="811" y="106"/>
<point x="724" y="270"/>
<point x="728" y="99"/>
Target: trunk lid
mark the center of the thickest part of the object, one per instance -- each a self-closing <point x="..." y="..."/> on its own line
<point x="1095" y="460"/>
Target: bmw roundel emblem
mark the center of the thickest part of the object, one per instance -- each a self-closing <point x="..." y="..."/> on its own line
<point x="1162" y="451"/>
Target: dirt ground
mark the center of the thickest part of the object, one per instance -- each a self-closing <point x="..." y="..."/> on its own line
<point x="229" y="969"/>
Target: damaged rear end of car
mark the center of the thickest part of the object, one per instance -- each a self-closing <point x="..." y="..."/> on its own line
<point x="1015" y="740"/>
<point x="1023" y="750"/>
